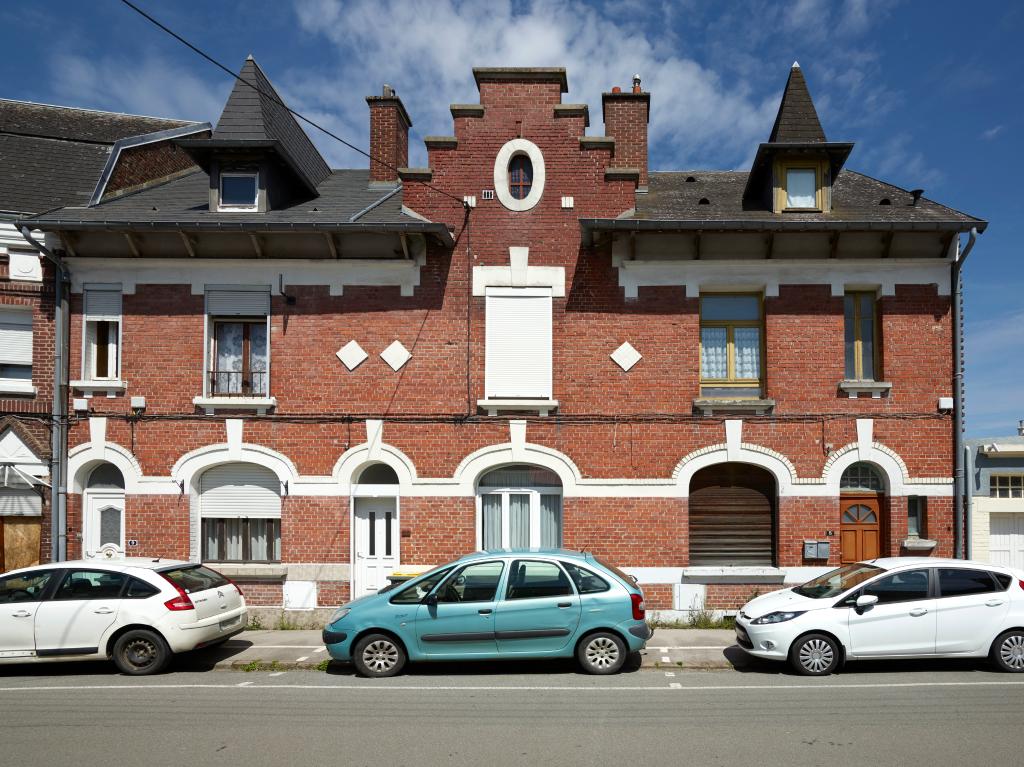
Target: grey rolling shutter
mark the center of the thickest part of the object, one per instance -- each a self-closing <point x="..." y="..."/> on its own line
<point x="18" y="502"/>
<point x="240" y="490"/>
<point x="238" y="302"/>
<point x="517" y="360"/>
<point x="103" y="303"/>
<point x="15" y="337"/>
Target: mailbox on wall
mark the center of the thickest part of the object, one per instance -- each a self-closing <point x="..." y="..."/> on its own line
<point x="816" y="549"/>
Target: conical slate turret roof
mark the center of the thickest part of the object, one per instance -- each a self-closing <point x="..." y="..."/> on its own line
<point x="797" y="121"/>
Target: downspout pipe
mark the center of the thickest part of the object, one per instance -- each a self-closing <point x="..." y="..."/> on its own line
<point x="58" y="432"/>
<point x="959" y="479"/>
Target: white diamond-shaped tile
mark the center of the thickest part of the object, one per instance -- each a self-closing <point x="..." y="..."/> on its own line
<point x="351" y="355"/>
<point x="626" y="356"/>
<point x="395" y="355"/>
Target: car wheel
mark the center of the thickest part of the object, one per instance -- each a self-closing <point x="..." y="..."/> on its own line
<point x="378" y="656"/>
<point x="141" y="652"/>
<point x="601" y="653"/>
<point x="815" y="655"/>
<point x="1008" y="651"/>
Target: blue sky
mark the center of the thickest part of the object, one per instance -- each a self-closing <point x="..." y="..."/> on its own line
<point x="931" y="92"/>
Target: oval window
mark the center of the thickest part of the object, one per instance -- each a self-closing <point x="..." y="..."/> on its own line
<point x="520" y="176"/>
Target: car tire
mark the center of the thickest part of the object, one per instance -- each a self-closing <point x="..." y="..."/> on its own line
<point x="815" y="655"/>
<point x="1008" y="651"/>
<point x="140" y="652"/>
<point x="378" y="656"/>
<point x="602" y="653"/>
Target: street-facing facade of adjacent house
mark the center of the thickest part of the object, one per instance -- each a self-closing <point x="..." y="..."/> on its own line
<point x="722" y="381"/>
<point x="995" y="482"/>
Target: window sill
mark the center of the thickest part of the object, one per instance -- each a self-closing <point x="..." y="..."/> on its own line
<point x="260" y="404"/>
<point x="255" y="571"/>
<point x="711" y="406"/>
<point x="726" y="574"/>
<point x="877" y="389"/>
<point x="542" y="406"/>
<point x="88" y="388"/>
<point x="919" y="544"/>
<point x="18" y="387"/>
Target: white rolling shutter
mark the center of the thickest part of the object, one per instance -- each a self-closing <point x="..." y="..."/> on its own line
<point x="240" y="490"/>
<point x="20" y="503"/>
<point x="103" y="302"/>
<point x="15" y="337"/>
<point x="517" y="360"/>
<point x="241" y="301"/>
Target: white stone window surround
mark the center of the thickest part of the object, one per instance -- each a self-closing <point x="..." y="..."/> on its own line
<point x="247" y="208"/>
<point x="518" y="146"/>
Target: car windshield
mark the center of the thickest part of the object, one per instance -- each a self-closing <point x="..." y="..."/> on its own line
<point x="835" y="582"/>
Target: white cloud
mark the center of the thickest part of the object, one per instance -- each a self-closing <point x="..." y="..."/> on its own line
<point x="992" y="132"/>
<point x="896" y="161"/>
<point x="151" y="86"/>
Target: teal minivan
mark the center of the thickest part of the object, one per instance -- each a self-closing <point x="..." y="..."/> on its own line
<point x="515" y="603"/>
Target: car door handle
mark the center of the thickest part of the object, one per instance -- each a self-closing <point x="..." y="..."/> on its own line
<point x="993" y="603"/>
<point x="918" y="612"/>
<point x="22" y="614"/>
<point x="103" y="611"/>
<point x="485" y="612"/>
<point x="565" y="604"/>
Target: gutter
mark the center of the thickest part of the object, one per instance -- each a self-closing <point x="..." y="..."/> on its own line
<point x="959" y="534"/>
<point x="59" y="427"/>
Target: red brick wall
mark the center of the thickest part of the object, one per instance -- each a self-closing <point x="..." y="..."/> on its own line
<point x="657" y="596"/>
<point x="314" y="529"/>
<point x="625" y="119"/>
<point x="732" y="596"/>
<point x="389" y="139"/>
<point x="651" y="532"/>
<point x="141" y="165"/>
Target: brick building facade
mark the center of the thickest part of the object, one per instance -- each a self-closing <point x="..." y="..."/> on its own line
<point x="313" y="377"/>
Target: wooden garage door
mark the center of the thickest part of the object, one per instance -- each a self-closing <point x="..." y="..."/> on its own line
<point x="1006" y="539"/>
<point x="732" y="516"/>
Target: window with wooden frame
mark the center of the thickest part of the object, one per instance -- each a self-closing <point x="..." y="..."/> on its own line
<point x="101" y="357"/>
<point x="1006" y="486"/>
<point x="731" y="345"/>
<point x="800" y="186"/>
<point x="861" y="347"/>
<point x="520" y="176"/>
<point x="239" y="354"/>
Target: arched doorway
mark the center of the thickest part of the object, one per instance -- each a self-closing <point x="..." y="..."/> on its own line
<point x="860" y="513"/>
<point x="519" y="506"/>
<point x="375" y="534"/>
<point x="732" y="516"/>
<point x="103" y="517"/>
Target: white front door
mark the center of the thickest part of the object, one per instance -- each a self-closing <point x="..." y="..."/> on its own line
<point x="104" y="522"/>
<point x="375" y="537"/>
<point x="1006" y="540"/>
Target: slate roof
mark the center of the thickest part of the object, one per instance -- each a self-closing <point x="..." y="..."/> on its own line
<point x="253" y="115"/>
<point x="797" y="120"/>
<point x="856" y="203"/>
<point x="52" y="156"/>
<point x="346" y="201"/>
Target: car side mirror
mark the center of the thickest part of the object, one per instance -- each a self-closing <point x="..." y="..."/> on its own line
<point x="429" y="599"/>
<point x="866" y="601"/>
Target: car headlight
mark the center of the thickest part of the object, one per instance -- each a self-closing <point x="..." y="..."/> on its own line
<point x="340" y="613"/>
<point x="777" y="617"/>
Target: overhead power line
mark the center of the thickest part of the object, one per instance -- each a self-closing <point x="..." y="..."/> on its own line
<point x="275" y="99"/>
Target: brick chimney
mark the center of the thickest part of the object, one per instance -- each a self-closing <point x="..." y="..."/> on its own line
<point x="389" y="135"/>
<point x="625" y="119"/>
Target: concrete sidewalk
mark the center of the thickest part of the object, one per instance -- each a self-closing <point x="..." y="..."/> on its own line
<point x="303" y="649"/>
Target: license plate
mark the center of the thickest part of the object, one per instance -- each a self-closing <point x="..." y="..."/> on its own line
<point x="229" y="623"/>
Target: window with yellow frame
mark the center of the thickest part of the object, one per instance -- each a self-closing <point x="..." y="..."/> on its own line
<point x="800" y="186"/>
<point x="731" y="345"/>
<point x="863" y="362"/>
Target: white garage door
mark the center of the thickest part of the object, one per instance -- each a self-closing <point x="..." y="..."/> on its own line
<point x="1006" y="539"/>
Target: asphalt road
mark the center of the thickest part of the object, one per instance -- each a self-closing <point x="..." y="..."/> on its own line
<point x="512" y="714"/>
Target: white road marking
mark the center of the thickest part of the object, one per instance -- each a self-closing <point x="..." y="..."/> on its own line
<point x="670" y="673"/>
<point x="675" y="686"/>
<point x="665" y="659"/>
<point x="278" y="673"/>
<point x="692" y="647"/>
<point x="304" y="657"/>
<point x="271" y="646"/>
<point x="320" y="649"/>
<point x="372" y="686"/>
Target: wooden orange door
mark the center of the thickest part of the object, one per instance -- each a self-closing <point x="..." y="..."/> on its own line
<point x="859" y="529"/>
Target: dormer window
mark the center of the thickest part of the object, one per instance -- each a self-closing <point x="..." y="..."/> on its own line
<point x="801" y="185"/>
<point x="801" y="188"/>
<point x="238" y="191"/>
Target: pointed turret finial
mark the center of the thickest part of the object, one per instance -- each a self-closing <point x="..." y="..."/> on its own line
<point x="796" y="65"/>
<point x="250" y="58"/>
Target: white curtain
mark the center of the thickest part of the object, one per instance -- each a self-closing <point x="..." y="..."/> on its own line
<point x="714" y="353"/>
<point x="491" y="521"/>
<point x="229" y="358"/>
<point x="550" y="521"/>
<point x="519" y="520"/>
<point x="748" y="352"/>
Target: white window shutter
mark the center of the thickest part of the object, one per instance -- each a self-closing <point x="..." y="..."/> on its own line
<point x="103" y="303"/>
<point x="238" y="302"/>
<point x="518" y="343"/>
<point x="240" y="490"/>
<point x="15" y="337"/>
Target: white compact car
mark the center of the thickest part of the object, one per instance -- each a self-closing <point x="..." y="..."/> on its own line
<point x="137" y="612"/>
<point x="901" y="607"/>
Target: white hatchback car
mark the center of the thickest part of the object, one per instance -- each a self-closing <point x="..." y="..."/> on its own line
<point x="137" y="612"/>
<point x="900" y="607"/>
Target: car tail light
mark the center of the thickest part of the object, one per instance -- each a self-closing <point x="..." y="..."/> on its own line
<point x="1021" y="584"/>
<point x="180" y="602"/>
<point x="638" y="606"/>
<point x="237" y="587"/>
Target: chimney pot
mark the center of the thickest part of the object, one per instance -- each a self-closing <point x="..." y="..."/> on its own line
<point x="636" y="84"/>
<point x="616" y="89"/>
<point x="917" y="196"/>
<point x="389" y="135"/>
<point x="1020" y="428"/>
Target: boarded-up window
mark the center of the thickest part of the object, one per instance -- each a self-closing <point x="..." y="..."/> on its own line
<point x="732" y="516"/>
